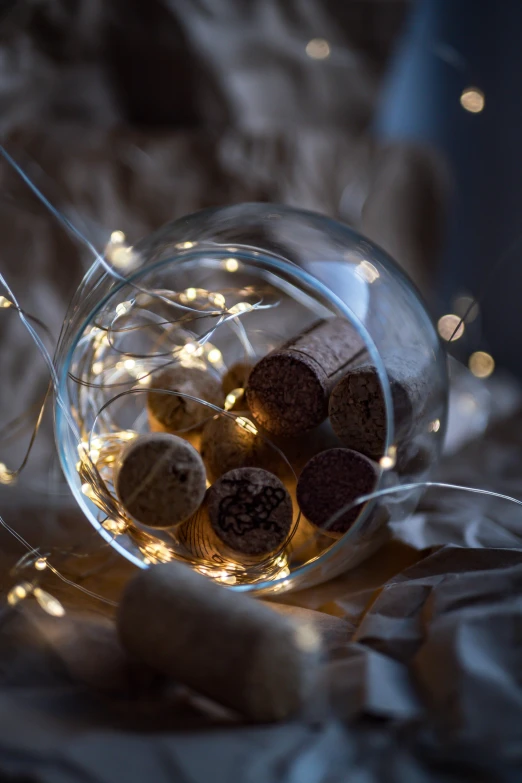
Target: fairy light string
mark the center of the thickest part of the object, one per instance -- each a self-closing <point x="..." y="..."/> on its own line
<point x="111" y="367"/>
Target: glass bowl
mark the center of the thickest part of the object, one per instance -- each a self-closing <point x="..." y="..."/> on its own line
<point x="214" y="293"/>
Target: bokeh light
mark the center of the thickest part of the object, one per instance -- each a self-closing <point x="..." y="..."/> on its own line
<point x="481" y="364"/>
<point x="450" y="327"/>
<point x="463" y="304"/>
<point x="472" y="100"/>
<point x="318" y="49"/>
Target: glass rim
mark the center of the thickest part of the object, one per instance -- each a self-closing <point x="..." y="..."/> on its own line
<point x="275" y="264"/>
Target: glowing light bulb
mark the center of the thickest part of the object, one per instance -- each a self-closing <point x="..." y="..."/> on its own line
<point x="4" y="302"/>
<point x="40" y="564"/>
<point x="18" y="593"/>
<point x="388" y="460"/>
<point x="6" y="476"/>
<point x="117" y="237"/>
<point x="232" y="397"/>
<point x="231" y="264"/>
<point x="114" y="526"/>
<point x="185" y="245"/>
<point x="450" y="327"/>
<point x="481" y="364"/>
<point x="472" y="100"/>
<point x="240" y="307"/>
<point x="191" y="294"/>
<point x="129" y="364"/>
<point x="434" y="426"/>
<point x="226" y="578"/>
<point x="217" y="299"/>
<point x="318" y="49"/>
<point x="48" y="602"/>
<point x="214" y="356"/>
<point x="123" y="308"/>
<point x="247" y="425"/>
<point x="97" y="368"/>
<point x="122" y="256"/>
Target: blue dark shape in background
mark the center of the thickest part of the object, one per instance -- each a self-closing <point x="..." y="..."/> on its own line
<point x="450" y="45"/>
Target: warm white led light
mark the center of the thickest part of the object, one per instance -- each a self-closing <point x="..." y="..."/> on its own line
<point x="49" y="603"/>
<point x="123" y="308"/>
<point x="240" y="307"/>
<point x="217" y="299"/>
<point x="388" y="460"/>
<point x="246" y="424"/>
<point x="231" y="265"/>
<point x="318" y="49"/>
<point x="450" y="327"/>
<point x="473" y="100"/>
<point x="481" y="364"/>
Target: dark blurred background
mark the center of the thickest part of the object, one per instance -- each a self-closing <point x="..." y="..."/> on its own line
<point x="400" y="118"/>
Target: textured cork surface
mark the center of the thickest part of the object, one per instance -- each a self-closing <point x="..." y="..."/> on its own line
<point x="160" y="480"/>
<point x="173" y="412"/>
<point x="357" y="410"/>
<point x="225" y="445"/>
<point x="288" y="390"/>
<point x="330" y="481"/>
<point x="333" y="343"/>
<point x="287" y="393"/>
<point x="222" y="644"/>
<point x="250" y="510"/>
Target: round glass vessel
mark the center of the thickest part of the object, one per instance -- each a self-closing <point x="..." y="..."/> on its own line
<point x="211" y="295"/>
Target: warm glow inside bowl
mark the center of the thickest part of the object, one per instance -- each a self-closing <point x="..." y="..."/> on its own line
<point x="220" y="287"/>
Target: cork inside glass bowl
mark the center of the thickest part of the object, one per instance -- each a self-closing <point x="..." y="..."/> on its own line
<point x="208" y="296"/>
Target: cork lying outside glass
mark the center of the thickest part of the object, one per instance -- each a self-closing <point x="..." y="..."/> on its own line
<point x="242" y="380"/>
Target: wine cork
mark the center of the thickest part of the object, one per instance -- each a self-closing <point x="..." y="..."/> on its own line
<point x="228" y="443"/>
<point x="172" y="412"/>
<point x="196" y="539"/>
<point x="288" y="390"/>
<point x="236" y="377"/>
<point x="222" y="644"/>
<point x="357" y="408"/>
<point x="301" y="448"/>
<point x="160" y="480"/>
<point x="250" y="511"/>
<point x="330" y="481"/>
